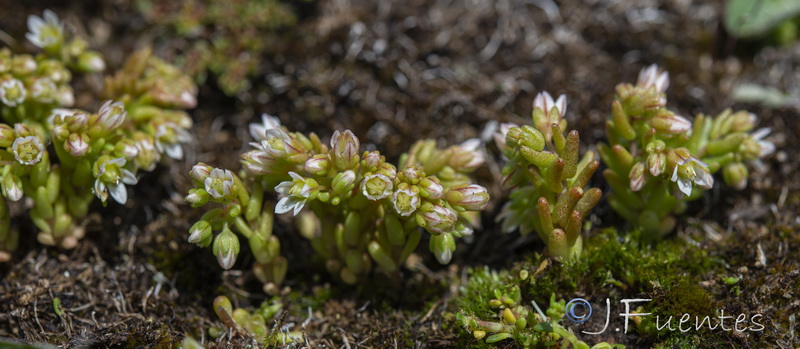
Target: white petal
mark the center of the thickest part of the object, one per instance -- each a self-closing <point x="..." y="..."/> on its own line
<point x="470" y="144"/>
<point x="175" y="151"/>
<point x="766" y="148"/>
<point x="128" y="177"/>
<point x="284" y="205"/>
<point x="100" y="190"/>
<point x="674" y="175"/>
<point x="227" y="260"/>
<point x="258" y="132"/>
<point x="299" y="206"/>
<point x="685" y="186"/>
<point x="561" y="103"/>
<point x="118" y="161"/>
<point x="284" y="187"/>
<point x="444" y="256"/>
<point x="296" y="176"/>
<point x="119" y="192"/>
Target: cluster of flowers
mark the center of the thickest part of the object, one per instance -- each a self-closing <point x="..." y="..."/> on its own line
<point x="47" y="33"/>
<point x="512" y="320"/>
<point x="92" y="154"/>
<point x="372" y="210"/>
<point x="657" y="160"/>
<point x="547" y="178"/>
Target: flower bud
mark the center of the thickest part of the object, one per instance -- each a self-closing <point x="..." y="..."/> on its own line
<point x="64" y="96"/>
<point x="226" y="247"/>
<point x="471" y="197"/>
<point x="735" y="174"/>
<point x="405" y="201"/>
<point x="23" y="65"/>
<point x="376" y="186"/>
<point x="200" y="172"/>
<point x="197" y="197"/>
<point x="413" y="174"/>
<point x="743" y="121"/>
<point x="439" y="219"/>
<point x="431" y="188"/>
<point x="28" y="150"/>
<point x="318" y="164"/>
<point x="90" y="61"/>
<point x="127" y="148"/>
<point x="7" y="136"/>
<point x="344" y="149"/>
<point x="75" y="122"/>
<point x="200" y="233"/>
<point x="371" y="161"/>
<point x="671" y="124"/>
<point x="500" y="136"/>
<point x="656" y="163"/>
<point x="12" y="92"/>
<point x="77" y="144"/>
<point x="637" y="176"/>
<point x="12" y="187"/>
<point x="443" y="246"/>
<point x="467" y="157"/>
<point x="111" y="115"/>
<point x="344" y="182"/>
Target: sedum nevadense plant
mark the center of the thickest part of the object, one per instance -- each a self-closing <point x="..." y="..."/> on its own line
<point x="658" y="161"/>
<point x="362" y="209"/>
<point x="62" y="158"/>
<point x="547" y="178"/>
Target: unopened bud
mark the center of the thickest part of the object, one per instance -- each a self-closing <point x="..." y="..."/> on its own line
<point x="90" y="61"/>
<point x="471" y="197"/>
<point x="637" y="176"/>
<point x="735" y="174"/>
<point x="226" y="247"/>
<point x="671" y="124"/>
<point x="439" y="219"/>
<point x="197" y="197"/>
<point x="344" y="182"/>
<point x="200" y="233"/>
<point x="12" y="187"/>
<point x="318" y="164"/>
<point x="77" y="144"/>
<point x="442" y="246"/>
<point x="7" y="136"/>
<point x="344" y="149"/>
<point x="431" y="188"/>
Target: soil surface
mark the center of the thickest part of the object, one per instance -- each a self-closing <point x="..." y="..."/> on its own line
<point x="394" y="71"/>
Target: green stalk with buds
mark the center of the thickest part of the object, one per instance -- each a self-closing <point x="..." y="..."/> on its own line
<point x="547" y="178"/>
<point x="361" y="210"/>
<point x="658" y="161"/>
<point x="63" y="158"/>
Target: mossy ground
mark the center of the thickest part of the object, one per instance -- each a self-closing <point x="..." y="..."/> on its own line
<point x="393" y="71"/>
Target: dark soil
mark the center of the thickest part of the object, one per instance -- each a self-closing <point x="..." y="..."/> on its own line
<point x="395" y="71"/>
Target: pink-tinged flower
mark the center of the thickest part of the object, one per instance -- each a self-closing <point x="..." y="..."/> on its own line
<point x="317" y="164"/>
<point x="376" y="186"/>
<point x="200" y="232"/>
<point x="7" y="136"/>
<point x="650" y="77"/>
<point x="471" y="197"/>
<point x="405" y="201"/>
<point x="45" y="32"/>
<point x="28" y="150"/>
<point x="440" y="219"/>
<point x="169" y="138"/>
<point x="656" y="163"/>
<point x="219" y="184"/>
<point x="344" y="149"/>
<point x="12" y="92"/>
<point x="270" y="126"/>
<point x="297" y="192"/>
<point x="467" y="156"/>
<point x="200" y="172"/>
<point x="111" y="179"/>
<point x="545" y="102"/>
<point x="688" y="170"/>
<point x="77" y="144"/>
<point x="226" y="247"/>
<point x="431" y="188"/>
<point x="111" y="115"/>
<point x="43" y="90"/>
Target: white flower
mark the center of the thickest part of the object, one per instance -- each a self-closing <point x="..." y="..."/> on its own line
<point x="45" y="32"/>
<point x="12" y="92"/>
<point x="766" y="147"/>
<point x="376" y="186"/>
<point x="649" y="77"/>
<point x="294" y="200"/>
<point x="169" y="138"/>
<point x="405" y="201"/>
<point x="692" y="170"/>
<point x="117" y="186"/>
<point x="270" y="126"/>
<point x="44" y="90"/>
<point x="28" y="150"/>
<point x="219" y="183"/>
<point x="500" y="135"/>
<point x="545" y="102"/>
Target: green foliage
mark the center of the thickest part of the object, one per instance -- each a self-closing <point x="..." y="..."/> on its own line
<point x="657" y="160"/>
<point x="669" y="270"/>
<point x="62" y="158"/>
<point x="754" y="18"/>
<point x="362" y="208"/>
<point x="547" y="179"/>
<point x="227" y="38"/>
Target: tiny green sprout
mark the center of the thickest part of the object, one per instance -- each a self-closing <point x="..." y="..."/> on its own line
<point x="657" y="160"/>
<point x="731" y="280"/>
<point x="57" y="307"/>
<point x="373" y="211"/>
<point x="547" y="177"/>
